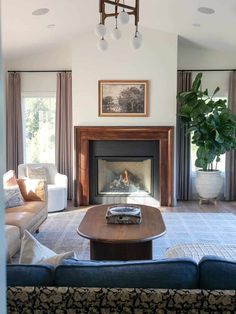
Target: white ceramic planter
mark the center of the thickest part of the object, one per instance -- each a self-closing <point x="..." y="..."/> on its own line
<point x="208" y="183"/>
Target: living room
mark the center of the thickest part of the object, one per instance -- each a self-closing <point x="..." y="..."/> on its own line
<point x="37" y="47"/>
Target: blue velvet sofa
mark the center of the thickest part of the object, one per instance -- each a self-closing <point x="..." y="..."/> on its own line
<point x="159" y="286"/>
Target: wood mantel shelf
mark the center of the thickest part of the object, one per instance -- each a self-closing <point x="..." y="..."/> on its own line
<point x="163" y="134"/>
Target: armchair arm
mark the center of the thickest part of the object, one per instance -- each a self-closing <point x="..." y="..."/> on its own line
<point x="61" y="180"/>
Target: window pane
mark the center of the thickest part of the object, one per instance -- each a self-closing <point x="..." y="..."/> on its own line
<point x="39" y="129"/>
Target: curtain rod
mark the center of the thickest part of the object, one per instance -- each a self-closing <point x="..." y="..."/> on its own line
<point x="38" y="71"/>
<point x="208" y="70"/>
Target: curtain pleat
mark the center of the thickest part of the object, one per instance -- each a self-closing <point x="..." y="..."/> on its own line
<point x="230" y="162"/>
<point x="64" y="128"/>
<point x="14" y="132"/>
<point x="183" y="142"/>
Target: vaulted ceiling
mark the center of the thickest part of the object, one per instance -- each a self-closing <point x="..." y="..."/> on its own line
<point x="23" y="32"/>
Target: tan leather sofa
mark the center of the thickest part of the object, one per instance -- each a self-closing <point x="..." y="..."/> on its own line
<point x="29" y="216"/>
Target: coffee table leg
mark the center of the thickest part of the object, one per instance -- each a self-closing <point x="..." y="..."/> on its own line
<point x="120" y="251"/>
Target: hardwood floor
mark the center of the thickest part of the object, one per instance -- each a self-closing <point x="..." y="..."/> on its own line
<point x="190" y="206"/>
<point x="194" y="207"/>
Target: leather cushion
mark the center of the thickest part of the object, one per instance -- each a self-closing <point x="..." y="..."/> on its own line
<point x="12" y="234"/>
<point x="30" y="207"/>
<point x="22" y="220"/>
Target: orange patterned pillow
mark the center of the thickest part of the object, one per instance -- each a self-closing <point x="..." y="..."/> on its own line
<point x="32" y="189"/>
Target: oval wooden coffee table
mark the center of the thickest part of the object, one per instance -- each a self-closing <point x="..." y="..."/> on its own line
<point x="121" y="242"/>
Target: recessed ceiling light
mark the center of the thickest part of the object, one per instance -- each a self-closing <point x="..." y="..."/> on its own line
<point x="40" y="11"/>
<point x="196" y="24"/>
<point x="206" y="10"/>
<point x="51" y="25"/>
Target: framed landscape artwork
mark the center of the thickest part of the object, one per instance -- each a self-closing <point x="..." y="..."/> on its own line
<point x="123" y="98"/>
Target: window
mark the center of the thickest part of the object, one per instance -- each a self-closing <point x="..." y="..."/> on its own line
<point x="220" y="165"/>
<point x="39" y="113"/>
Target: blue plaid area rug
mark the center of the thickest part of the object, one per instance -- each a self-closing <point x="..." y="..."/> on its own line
<point x="217" y="228"/>
<point x="59" y="233"/>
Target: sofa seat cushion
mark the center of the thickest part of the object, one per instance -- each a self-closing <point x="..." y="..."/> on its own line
<point x="33" y="207"/>
<point x="166" y="274"/>
<point x="12" y="235"/>
<point x="30" y="275"/>
<point x="197" y="250"/>
<point x="216" y="273"/>
<point x="22" y="220"/>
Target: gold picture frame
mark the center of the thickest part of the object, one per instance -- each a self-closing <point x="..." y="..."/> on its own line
<point x="123" y="98"/>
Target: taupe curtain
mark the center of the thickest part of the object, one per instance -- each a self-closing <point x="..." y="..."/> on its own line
<point x="14" y="133"/>
<point x="183" y="142"/>
<point x="64" y="127"/>
<point x="230" y="168"/>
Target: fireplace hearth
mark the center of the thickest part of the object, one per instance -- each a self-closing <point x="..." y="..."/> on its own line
<point x="158" y="156"/>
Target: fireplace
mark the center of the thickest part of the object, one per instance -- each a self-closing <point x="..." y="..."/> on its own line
<point x="124" y="176"/>
<point x="156" y="157"/>
<point x="124" y="171"/>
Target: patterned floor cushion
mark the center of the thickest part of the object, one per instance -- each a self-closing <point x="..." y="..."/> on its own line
<point x="197" y="250"/>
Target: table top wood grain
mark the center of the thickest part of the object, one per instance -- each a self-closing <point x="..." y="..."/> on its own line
<point x="94" y="226"/>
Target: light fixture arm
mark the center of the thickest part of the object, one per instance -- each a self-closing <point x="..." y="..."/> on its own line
<point x="132" y="10"/>
<point x="119" y="10"/>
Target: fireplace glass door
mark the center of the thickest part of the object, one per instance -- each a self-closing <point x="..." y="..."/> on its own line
<point x="124" y="176"/>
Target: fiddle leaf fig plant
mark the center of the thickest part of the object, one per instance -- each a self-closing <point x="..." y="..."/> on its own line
<point x="212" y="123"/>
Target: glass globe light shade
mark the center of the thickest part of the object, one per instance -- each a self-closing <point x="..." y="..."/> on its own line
<point x="100" y="30"/>
<point x="102" y="44"/>
<point x="123" y="17"/>
<point x="139" y="35"/>
<point x="116" y="33"/>
<point x="136" y="42"/>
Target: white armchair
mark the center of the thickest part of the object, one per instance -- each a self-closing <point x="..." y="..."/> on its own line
<point x="56" y="183"/>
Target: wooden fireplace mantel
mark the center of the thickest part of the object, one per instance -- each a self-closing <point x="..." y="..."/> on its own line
<point x="163" y="134"/>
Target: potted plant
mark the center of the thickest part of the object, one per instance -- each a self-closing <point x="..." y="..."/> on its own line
<point x="214" y="128"/>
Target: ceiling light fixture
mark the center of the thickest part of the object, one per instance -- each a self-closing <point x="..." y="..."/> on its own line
<point x="40" y="11"/>
<point x="206" y="10"/>
<point x="121" y="14"/>
<point x="196" y="24"/>
<point x="51" y="26"/>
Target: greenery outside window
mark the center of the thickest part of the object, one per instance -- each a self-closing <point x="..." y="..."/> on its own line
<point x="39" y="115"/>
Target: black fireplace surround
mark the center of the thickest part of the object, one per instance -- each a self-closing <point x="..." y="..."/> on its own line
<point x="123" y="168"/>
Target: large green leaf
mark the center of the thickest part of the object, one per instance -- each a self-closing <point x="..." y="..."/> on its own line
<point x="197" y="82"/>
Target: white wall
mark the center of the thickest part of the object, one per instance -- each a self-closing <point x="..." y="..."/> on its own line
<point x="156" y="61"/>
<point x="38" y="83"/>
<point x="193" y="57"/>
<point x="2" y="170"/>
<point x="58" y="58"/>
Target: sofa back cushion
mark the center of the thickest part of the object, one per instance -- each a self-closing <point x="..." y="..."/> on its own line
<point x="216" y="273"/>
<point x="30" y="275"/>
<point x="174" y="273"/>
